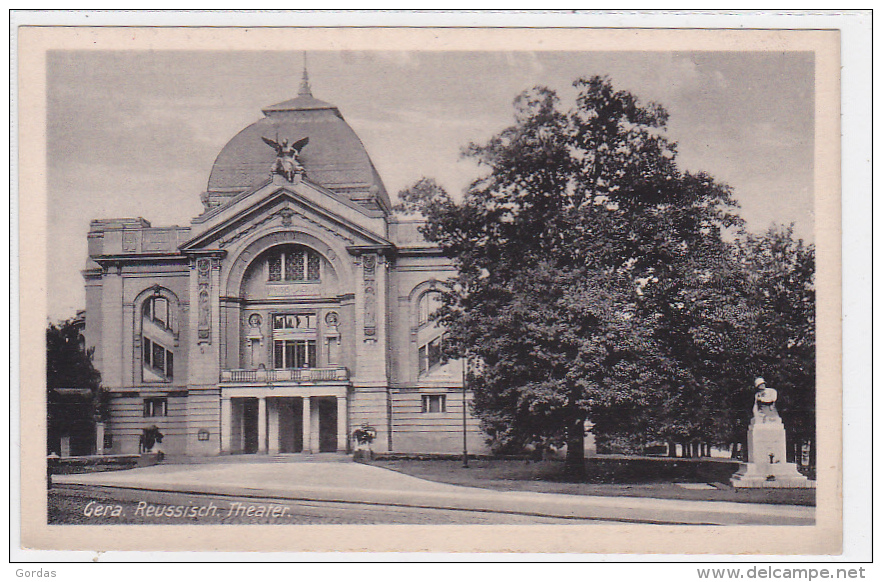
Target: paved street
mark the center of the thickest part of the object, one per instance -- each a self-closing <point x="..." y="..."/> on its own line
<point x="338" y="487"/>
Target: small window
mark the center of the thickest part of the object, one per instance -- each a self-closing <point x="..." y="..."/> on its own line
<point x="294" y="264"/>
<point x="430" y="354"/>
<point x="433" y="403"/>
<point x="156" y="407"/>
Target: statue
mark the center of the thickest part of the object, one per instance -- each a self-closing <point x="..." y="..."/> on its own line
<point x="764" y="402"/>
<point x="767" y="464"/>
<point x="287" y="161"/>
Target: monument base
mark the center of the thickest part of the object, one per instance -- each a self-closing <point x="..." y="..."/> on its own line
<point x="770" y="475"/>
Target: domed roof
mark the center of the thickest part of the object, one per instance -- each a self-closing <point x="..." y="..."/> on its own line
<point x="334" y="157"/>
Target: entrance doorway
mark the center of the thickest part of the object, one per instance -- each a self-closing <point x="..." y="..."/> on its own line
<point x="327" y="413"/>
<point x="249" y="425"/>
<point x="290" y="414"/>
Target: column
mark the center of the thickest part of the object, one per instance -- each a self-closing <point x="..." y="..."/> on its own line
<point x="226" y="425"/>
<point x="99" y="438"/>
<point x="342" y="432"/>
<point x="307" y="425"/>
<point x="273" y="428"/>
<point x="261" y="425"/>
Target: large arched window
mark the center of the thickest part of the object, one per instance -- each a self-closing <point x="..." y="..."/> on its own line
<point x="293" y="263"/>
<point x="157" y="340"/>
<point x="430" y="335"/>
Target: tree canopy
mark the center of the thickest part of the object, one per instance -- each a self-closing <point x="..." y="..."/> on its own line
<point x="69" y="365"/>
<point x="595" y="280"/>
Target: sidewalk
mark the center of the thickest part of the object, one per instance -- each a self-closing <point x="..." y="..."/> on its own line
<point x="356" y="483"/>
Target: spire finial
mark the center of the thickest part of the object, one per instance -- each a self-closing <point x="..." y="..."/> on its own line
<point x="304" y="83"/>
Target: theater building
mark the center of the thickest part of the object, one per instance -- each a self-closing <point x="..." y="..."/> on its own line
<point x="292" y="311"/>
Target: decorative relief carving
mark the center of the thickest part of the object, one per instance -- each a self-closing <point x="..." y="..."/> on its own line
<point x="203" y="270"/>
<point x="130" y="242"/>
<point x="237" y="235"/>
<point x="369" y="266"/>
<point x="287" y="215"/>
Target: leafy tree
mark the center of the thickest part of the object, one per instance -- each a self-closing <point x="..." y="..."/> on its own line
<point x="568" y="251"/>
<point x="69" y="365"/>
<point x="737" y="311"/>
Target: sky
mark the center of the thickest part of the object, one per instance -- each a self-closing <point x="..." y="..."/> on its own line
<point x="135" y="133"/>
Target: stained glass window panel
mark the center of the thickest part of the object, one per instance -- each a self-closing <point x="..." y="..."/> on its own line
<point x="313" y="267"/>
<point x="275" y="268"/>
<point x="294" y="266"/>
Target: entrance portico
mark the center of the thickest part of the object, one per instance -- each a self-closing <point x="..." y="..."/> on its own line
<point x="284" y="419"/>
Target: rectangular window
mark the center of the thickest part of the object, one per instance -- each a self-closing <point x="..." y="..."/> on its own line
<point x="279" y="354"/>
<point x="158" y="359"/>
<point x="435" y="352"/>
<point x="430" y="354"/>
<point x="433" y="403"/>
<point x="294" y="354"/>
<point x="424" y="359"/>
<point x="156" y="407"/>
<point x="295" y="265"/>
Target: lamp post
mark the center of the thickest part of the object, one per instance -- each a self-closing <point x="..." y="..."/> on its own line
<point x="465" y="445"/>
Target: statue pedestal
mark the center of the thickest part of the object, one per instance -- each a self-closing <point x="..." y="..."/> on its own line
<point x="767" y="464"/>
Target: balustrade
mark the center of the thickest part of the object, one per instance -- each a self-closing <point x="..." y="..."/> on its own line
<point x="260" y="376"/>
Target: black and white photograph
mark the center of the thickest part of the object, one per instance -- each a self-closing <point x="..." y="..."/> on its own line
<point x="336" y="281"/>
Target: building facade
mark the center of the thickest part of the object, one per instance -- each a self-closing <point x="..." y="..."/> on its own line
<point x="292" y="311"/>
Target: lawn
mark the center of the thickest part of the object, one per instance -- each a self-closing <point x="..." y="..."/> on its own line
<point x="621" y="478"/>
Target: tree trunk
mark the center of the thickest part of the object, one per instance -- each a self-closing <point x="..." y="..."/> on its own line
<point x="575" y="461"/>
<point x="672" y="449"/>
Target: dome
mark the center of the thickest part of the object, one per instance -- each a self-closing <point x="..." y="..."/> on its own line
<point x="334" y="158"/>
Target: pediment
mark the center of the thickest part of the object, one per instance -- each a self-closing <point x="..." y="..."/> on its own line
<point x="285" y="206"/>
